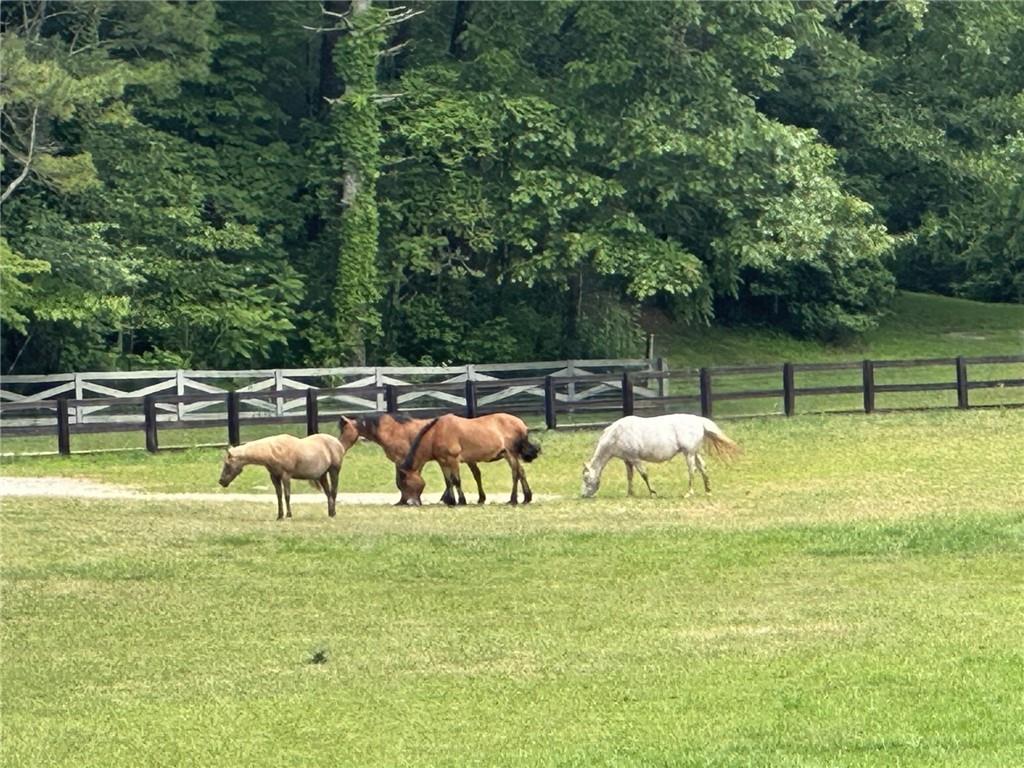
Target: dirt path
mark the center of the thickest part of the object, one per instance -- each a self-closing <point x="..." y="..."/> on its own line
<point x="90" y="489"/>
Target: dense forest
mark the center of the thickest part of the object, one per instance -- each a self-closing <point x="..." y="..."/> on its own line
<point x="217" y="184"/>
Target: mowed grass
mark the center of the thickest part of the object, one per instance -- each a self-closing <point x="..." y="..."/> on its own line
<point x="850" y="595"/>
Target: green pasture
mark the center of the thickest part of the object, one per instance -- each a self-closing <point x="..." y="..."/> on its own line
<point x="850" y="595"/>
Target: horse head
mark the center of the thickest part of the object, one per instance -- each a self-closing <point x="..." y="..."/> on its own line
<point x="411" y="483"/>
<point x="591" y="481"/>
<point x="348" y="431"/>
<point x="232" y="468"/>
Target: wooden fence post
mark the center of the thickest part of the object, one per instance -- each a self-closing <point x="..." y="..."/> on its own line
<point x="788" y="390"/>
<point x="312" y="411"/>
<point x="706" y="397"/>
<point x="470" y="399"/>
<point x="391" y="398"/>
<point x="149" y="411"/>
<point x="961" y="383"/>
<point x="662" y="367"/>
<point x="550" y="416"/>
<point x="234" y="428"/>
<point x="868" y="370"/>
<point x="63" y="428"/>
<point x="627" y="395"/>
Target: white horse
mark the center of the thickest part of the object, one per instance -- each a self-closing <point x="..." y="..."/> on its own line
<point x="635" y="439"/>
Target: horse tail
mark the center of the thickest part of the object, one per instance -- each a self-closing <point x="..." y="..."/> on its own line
<point x="526" y="450"/>
<point x="410" y="457"/>
<point x="718" y="443"/>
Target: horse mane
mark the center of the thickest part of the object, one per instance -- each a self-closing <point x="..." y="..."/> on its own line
<point x="410" y="456"/>
<point x="370" y="423"/>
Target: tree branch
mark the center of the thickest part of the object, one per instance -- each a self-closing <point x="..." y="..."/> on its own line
<point x="28" y="160"/>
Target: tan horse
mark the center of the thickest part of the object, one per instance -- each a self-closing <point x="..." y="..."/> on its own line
<point x="316" y="458"/>
<point x="451" y="439"/>
<point x="394" y="432"/>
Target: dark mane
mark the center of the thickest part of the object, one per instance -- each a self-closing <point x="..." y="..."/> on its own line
<point x="409" y="457"/>
<point x="369" y="424"/>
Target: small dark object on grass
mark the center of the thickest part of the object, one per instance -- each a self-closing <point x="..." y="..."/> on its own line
<point x="319" y="656"/>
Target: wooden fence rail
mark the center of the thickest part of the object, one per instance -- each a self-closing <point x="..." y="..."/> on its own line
<point x="578" y="393"/>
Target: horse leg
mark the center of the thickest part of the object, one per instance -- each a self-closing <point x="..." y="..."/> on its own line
<point x="276" y="480"/>
<point x="642" y="469"/>
<point x="513" y="463"/>
<point x="527" y="493"/>
<point x="691" y="464"/>
<point x="702" y="468"/>
<point x="398" y="484"/>
<point x="287" y="483"/>
<point x="457" y="483"/>
<point x="448" y="497"/>
<point x="481" y="496"/>
<point x="629" y="478"/>
<point x="325" y="486"/>
<point x="334" y="473"/>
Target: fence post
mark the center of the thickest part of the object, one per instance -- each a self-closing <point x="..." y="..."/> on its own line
<point x="961" y="383"/>
<point x="650" y="346"/>
<point x="312" y="411"/>
<point x="788" y="390"/>
<point x="179" y="388"/>
<point x="149" y="411"/>
<point x="868" y="369"/>
<point x="391" y="398"/>
<point x="278" y="385"/>
<point x="550" y="417"/>
<point x="470" y="399"/>
<point x="378" y="382"/>
<point x="234" y="406"/>
<point x="63" y="428"/>
<point x="627" y="395"/>
<point x="706" y="397"/>
<point x="662" y="367"/>
<point x="79" y="395"/>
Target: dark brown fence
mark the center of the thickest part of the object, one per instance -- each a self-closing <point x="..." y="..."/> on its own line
<point x="587" y="399"/>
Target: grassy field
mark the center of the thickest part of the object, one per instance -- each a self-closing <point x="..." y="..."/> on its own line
<point x="849" y="596"/>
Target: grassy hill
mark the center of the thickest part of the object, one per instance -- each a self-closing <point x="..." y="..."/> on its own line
<point x="919" y="325"/>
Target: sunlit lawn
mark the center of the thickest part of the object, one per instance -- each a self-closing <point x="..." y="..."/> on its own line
<point x="850" y="595"/>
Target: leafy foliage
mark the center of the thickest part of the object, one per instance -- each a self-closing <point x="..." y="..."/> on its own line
<point x="224" y="184"/>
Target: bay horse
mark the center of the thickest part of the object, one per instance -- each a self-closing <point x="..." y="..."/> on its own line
<point x="394" y="433"/>
<point x="316" y="458"/>
<point x="636" y="439"/>
<point x="451" y="439"/>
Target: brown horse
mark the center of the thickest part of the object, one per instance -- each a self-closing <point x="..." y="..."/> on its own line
<point x="451" y="439"/>
<point x="316" y="458"/>
<point x="394" y="432"/>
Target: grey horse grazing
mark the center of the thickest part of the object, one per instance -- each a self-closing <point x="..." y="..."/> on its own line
<point x="635" y="439"/>
<point x="316" y="458"/>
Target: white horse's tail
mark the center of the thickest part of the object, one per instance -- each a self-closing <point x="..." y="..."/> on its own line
<point x="718" y="443"/>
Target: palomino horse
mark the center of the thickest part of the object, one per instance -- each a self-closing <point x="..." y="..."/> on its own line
<point x="451" y="439"/>
<point x="316" y="458"/>
<point x="394" y="432"/>
<point x="635" y="440"/>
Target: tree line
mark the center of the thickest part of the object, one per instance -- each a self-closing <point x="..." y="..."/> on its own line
<point x="215" y="184"/>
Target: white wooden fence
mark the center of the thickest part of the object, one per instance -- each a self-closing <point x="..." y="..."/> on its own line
<point x="368" y="385"/>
